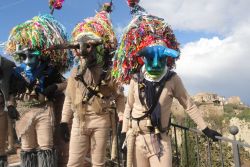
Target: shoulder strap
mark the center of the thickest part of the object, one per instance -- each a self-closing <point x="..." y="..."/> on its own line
<point x="92" y="91"/>
<point x="167" y="77"/>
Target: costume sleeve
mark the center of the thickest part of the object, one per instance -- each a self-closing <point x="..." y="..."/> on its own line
<point x="185" y="100"/>
<point x="61" y="86"/>
<point x="120" y="104"/>
<point x="128" y="106"/>
<point x="67" y="112"/>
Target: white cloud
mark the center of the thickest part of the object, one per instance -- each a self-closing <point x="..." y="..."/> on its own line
<point x="218" y="65"/>
<point x="220" y="16"/>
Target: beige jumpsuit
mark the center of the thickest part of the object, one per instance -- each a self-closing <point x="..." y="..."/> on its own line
<point x="92" y="121"/>
<point x="37" y="132"/>
<point x="36" y="128"/>
<point x="143" y="154"/>
<point x="36" y="125"/>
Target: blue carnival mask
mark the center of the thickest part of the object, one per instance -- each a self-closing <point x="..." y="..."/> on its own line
<point x="155" y="58"/>
<point x="29" y="57"/>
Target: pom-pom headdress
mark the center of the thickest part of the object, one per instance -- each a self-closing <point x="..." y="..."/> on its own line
<point x="144" y="30"/>
<point x="97" y="28"/>
<point x="38" y="34"/>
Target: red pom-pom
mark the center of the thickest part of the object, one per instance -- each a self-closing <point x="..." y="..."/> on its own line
<point x="58" y="4"/>
<point x="132" y="3"/>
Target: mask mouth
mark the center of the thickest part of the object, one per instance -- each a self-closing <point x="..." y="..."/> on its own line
<point x="155" y="72"/>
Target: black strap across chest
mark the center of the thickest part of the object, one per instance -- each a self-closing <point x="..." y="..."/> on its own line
<point x="92" y="90"/>
<point x="162" y="83"/>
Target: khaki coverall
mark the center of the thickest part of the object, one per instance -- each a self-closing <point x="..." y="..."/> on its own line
<point x="92" y="130"/>
<point x="36" y="125"/>
<point x="36" y="129"/>
<point x="143" y="154"/>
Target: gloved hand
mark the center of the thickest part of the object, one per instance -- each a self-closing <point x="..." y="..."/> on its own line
<point x="50" y="90"/>
<point x="13" y="113"/>
<point x="211" y="133"/>
<point x="122" y="140"/>
<point x="64" y="131"/>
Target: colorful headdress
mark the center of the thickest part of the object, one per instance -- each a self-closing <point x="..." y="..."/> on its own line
<point x="40" y="33"/>
<point x="144" y="30"/>
<point x="99" y="27"/>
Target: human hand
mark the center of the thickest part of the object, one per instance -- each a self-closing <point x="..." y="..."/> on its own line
<point x="120" y="118"/>
<point x="64" y="131"/>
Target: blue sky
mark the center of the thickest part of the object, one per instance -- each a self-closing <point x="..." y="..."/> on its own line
<point x="13" y="12"/>
<point x="214" y="36"/>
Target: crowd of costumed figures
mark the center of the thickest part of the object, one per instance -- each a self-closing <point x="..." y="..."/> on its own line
<point x="60" y="121"/>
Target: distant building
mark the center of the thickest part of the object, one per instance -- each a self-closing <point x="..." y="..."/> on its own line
<point x="234" y="100"/>
<point x="209" y="98"/>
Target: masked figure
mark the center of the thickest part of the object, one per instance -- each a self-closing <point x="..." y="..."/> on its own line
<point x="146" y="57"/>
<point x="91" y="91"/>
<point x="6" y="67"/>
<point x="34" y="86"/>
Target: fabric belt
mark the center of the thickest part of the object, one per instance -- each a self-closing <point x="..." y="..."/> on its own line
<point x="141" y="125"/>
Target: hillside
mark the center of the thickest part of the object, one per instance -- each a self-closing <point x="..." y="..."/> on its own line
<point x="220" y="113"/>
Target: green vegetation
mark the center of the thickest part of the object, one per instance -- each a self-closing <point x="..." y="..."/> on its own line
<point x="229" y="112"/>
<point x="244" y="115"/>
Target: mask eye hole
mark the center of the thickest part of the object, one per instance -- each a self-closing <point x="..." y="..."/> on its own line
<point x="170" y="62"/>
<point x="22" y="56"/>
<point x="150" y="59"/>
<point x="88" y="46"/>
<point x="162" y="59"/>
<point x="30" y="56"/>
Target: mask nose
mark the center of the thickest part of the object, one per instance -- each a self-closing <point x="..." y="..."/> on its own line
<point x="155" y="62"/>
<point x="156" y="58"/>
